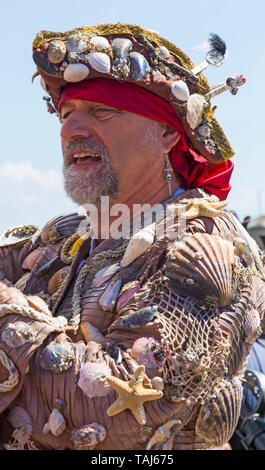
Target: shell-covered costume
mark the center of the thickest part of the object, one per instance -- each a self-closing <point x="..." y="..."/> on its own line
<point x="144" y="344"/>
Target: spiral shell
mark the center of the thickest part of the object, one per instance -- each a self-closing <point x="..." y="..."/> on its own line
<point x="149" y="353"/>
<point x="56" y="280"/>
<point x="88" y="436"/>
<point x="99" y="61"/>
<point x="139" y="244"/>
<point x="56" y="51"/>
<point x="75" y="72"/>
<point x="57" y="358"/>
<point x="56" y="423"/>
<point x="18" y="333"/>
<point x="92" y="379"/>
<point x="209" y="276"/>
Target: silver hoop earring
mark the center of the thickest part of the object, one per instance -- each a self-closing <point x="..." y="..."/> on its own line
<point x="168" y="173"/>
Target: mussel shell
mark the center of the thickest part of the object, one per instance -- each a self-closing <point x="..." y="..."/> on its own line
<point x="57" y="358"/>
<point x="105" y="274"/>
<point x="109" y="298"/>
<point x="139" y="67"/>
<point x="139" y="318"/>
<point x="125" y="297"/>
<point x="121" y="48"/>
<point x="46" y="66"/>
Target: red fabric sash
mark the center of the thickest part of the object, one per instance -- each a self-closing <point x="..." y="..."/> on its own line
<point x="194" y="169"/>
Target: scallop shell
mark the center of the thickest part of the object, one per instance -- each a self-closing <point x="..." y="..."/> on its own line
<point x="77" y="43"/>
<point x="88" y="436"/>
<point x="18" y="333"/>
<point x="100" y="41"/>
<point x="121" y="48"/>
<point x="139" y="244"/>
<point x="57" y="358"/>
<point x="180" y="90"/>
<point x="219" y="417"/>
<point x="56" y="423"/>
<point x="99" y="61"/>
<point x="206" y="277"/>
<point x="126" y="296"/>
<point x="18" y="417"/>
<point x="195" y="107"/>
<point x="62" y="226"/>
<point x="139" y="67"/>
<point x="56" y="51"/>
<point x="105" y="274"/>
<point x="75" y="72"/>
<point x="92" y="379"/>
<point x="149" y="353"/>
<point x="109" y="297"/>
<point x="56" y="280"/>
<point x="252" y="326"/>
<point x="91" y="333"/>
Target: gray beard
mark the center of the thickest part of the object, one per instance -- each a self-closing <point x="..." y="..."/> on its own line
<point x="87" y="187"/>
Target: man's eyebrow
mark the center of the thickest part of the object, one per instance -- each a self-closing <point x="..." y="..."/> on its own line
<point x="65" y="105"/>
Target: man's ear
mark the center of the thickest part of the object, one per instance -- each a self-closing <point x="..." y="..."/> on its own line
<point x="170" y="137"/>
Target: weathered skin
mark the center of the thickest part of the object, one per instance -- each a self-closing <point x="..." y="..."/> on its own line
<point x="208" y="340"/>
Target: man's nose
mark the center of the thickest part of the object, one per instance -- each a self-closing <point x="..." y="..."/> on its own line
<point x="75" y="126"/>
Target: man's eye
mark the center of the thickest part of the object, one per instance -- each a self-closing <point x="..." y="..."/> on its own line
<point x="65" y="115"/>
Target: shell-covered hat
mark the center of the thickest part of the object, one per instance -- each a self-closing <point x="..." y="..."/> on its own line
<point x="136" y="55"/>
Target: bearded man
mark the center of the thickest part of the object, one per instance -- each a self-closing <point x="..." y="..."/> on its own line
<point x="137" y="341"/>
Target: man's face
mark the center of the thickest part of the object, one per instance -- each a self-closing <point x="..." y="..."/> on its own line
<point x="108" y="151"/>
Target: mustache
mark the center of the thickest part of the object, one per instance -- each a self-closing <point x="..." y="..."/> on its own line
<point x="84" y="145"/>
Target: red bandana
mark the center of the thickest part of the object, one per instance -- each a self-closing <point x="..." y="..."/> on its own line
<point x="194" y="169"/>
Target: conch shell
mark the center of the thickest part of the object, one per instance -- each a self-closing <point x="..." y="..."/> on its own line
<point x="139" y="244"/>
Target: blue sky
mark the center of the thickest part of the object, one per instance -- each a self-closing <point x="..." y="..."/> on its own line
<point x="30" y="156"/>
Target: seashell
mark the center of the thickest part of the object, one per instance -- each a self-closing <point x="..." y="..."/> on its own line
<point x="91" y="333"/>
<point x="219" y="417"/>
<point x="244" y="252"/>
<point x="212" y="274"/>
<point x="88" y="436"/>
<point x="75" y="72"/>
<point x="43" y="84"/>
<point x="77" y="43"/>
<point x="18" y="417"/>
<point x="109" y="298"/>
<point x="163" y="52"/>
<point x="93" y="379"/>
<point x="180" y="90"/>
<point x="121" y="48"/>
<point x="139" y="318"/>
<point x="149" y="352"/>
<point x="252" y="326"/>
<point x="45" y="268"/>
<point x="56" y="280"/>
<point x="114" y="351"/>
<point x="56" y="423"/>
<point x="46" y="66"/>
<point x="163" y="436"/>
<point x="100" y="41"/>
<point x="126" y="296"/>
<point x="195" y="107"/>
<point x="62" y="226"/>
<point x="56" y="51"/>
<point x="31" y="259"/>
<point x="20" y="284"/>
<point x="158" y="383"/>
<point x="57" y="358"/>
<point x="139" y="67"/>
<point x="105" y="274"/>
<point x="18" y="333"/>
<point x="204" y="131"/>
<point x="138" y="244"/>
<point x="99" y="61"/>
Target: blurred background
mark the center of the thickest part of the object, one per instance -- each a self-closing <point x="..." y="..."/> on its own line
<point x="30" y="155"/>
